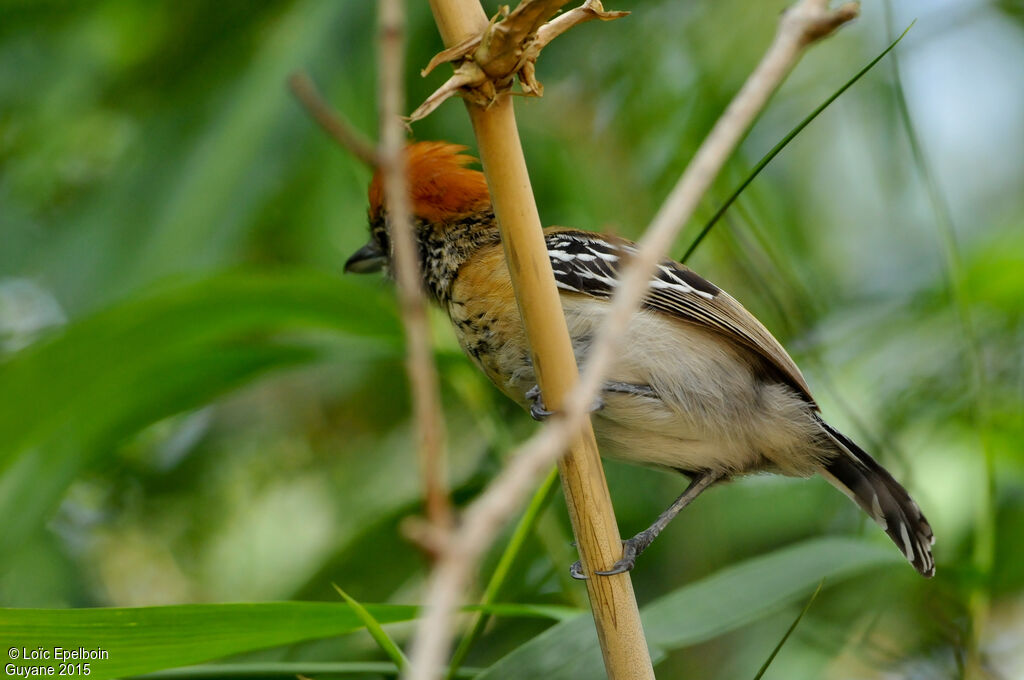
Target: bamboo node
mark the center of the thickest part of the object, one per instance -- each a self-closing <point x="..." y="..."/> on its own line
<point x="489" y="64"/>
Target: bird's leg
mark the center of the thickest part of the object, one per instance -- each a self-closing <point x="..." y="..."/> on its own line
<point x="632" y="547"/>
<point x="540" y="412"/>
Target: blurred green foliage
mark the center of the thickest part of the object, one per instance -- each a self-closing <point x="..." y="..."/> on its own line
<point x="197" y="407"/>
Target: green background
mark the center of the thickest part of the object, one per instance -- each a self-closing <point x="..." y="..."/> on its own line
<point x="196" y="406"/>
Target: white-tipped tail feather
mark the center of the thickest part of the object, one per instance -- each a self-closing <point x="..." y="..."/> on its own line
<point x="870" y="486"/>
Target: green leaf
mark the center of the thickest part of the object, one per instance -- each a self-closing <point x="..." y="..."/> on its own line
<point x="140" y="640"/>
<point x="144" y="639"/>
<point x="718" y="604"/>
<point x="67" y="401"/>
<point x="378" y="633"/>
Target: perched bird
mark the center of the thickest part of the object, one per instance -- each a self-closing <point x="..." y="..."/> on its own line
<point x="702" y="386"/>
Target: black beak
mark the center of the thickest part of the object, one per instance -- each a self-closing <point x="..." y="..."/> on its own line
<point x="366" y="260"/>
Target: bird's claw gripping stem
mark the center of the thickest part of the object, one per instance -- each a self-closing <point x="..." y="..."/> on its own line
<point x="631" y="549"/>
<point x="538" y="411"/>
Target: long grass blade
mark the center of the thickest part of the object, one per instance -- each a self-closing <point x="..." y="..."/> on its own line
<point x="767" y="158"/>
<point x="789" y="631"/>
<point x="523" y="529"/>
<point x="376" y="631"/>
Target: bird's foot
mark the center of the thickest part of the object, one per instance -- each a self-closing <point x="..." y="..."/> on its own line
<point x="631" y="549"/>
<point x="538" y="411"/>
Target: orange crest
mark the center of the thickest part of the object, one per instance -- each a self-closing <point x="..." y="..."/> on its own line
<point x="440" y="184"/>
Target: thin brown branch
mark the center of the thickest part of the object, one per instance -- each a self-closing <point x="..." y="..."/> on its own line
<point x="412" y="299"/>
<point x="342" y="131"/>
<point x="803" y="24"/>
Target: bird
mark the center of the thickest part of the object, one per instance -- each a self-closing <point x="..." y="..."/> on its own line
<point x="702" y="388"/>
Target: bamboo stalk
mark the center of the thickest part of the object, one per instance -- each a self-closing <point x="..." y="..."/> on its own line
<point x="615" y="611"/>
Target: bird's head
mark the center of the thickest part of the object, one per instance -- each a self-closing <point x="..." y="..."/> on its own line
<point x="441" y="190"/>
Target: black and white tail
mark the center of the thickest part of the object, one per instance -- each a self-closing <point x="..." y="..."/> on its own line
<point x="870" y="486"/>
